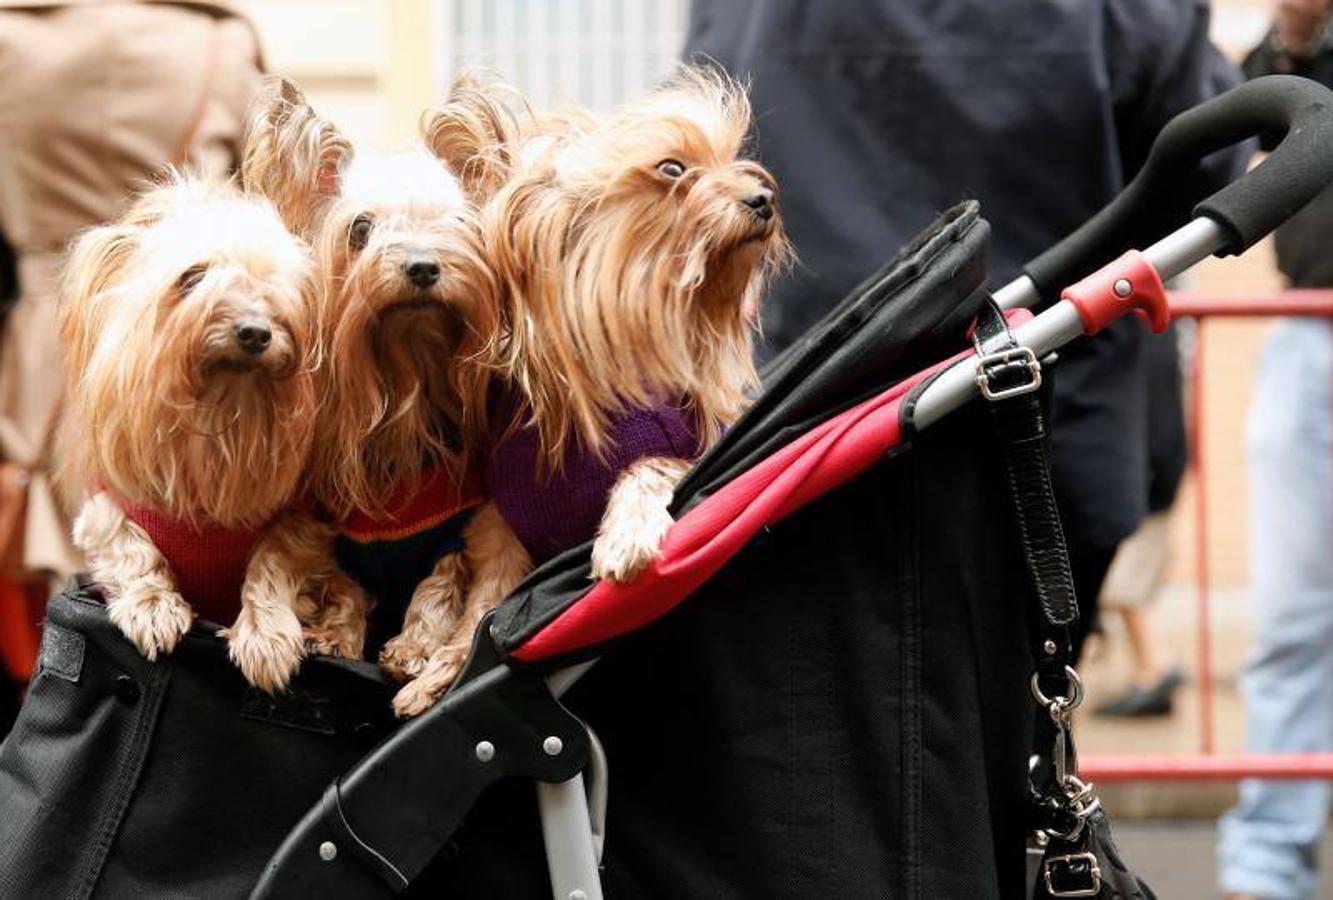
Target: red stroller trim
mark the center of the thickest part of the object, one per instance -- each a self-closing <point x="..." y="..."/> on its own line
<point x="715" y="530"/>
<point x="711" y="533"/>
<point x="705" y="538"/>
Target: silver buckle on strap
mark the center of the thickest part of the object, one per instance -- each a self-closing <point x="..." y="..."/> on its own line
<point x="1077" y="875"/>
<point x="1004" y="358"/>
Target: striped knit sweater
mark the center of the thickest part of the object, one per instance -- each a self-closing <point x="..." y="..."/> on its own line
<point x="390" y="554"/>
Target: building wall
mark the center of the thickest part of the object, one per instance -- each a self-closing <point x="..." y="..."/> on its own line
<point x="338" y="51"/>
<point x="597" y="52"/>
<point x="373" y="65"/>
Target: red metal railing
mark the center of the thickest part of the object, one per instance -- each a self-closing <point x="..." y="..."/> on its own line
<point x="1207" y="764"/>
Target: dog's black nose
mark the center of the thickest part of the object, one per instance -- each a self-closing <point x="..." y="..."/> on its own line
<point x="761" y="201"/>
<point x="422" y="272"/>
<point x="254" y="337"/>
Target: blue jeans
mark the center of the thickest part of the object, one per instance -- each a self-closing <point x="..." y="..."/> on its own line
<point x="1269" y="843"/>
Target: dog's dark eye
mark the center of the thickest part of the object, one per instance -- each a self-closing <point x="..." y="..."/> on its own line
<point x="359" y="235"/>
<point x="671" y="168"/>
<point x="191" y="277"/>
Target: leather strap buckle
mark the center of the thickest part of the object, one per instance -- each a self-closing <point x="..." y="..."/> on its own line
<point x="1072" y="875"/>
<point x="1008" y="373"/>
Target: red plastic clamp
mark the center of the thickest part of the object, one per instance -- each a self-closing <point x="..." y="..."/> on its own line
<point x="1130" y="284"/>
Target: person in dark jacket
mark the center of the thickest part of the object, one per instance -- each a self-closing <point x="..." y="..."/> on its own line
<point x="874" y="115"/>
<point x="1269" y="844"/>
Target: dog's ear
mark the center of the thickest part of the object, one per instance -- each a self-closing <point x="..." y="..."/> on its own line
<point x="96" y="260"/>
<point x="475" y="134"/>
<point x="292" y="156"/>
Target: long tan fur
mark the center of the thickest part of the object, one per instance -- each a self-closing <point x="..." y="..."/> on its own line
<point x="400" y="360"/>
<point x="626" y="288"/>
<point x="155" y="411"/>
<point x="291" y="155"/>
<point x="407" y="369"/>
<point x="166" y="410"/>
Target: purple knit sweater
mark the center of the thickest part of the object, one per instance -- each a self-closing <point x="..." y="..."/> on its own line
<point x="552" y="513"/>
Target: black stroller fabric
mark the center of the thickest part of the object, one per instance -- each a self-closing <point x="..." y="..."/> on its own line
<point x="125" y="778"/>
<point x="842" y="711"/>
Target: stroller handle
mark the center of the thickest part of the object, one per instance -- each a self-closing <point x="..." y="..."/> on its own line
<point x="1292" y="116"/>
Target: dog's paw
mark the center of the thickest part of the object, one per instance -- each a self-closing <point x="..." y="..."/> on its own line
<point x="152" y="618"/>
<point x="404" y="658"/>
<point x="334" y="617"/>
<point x="267" y="656"/>
<point x="347" y="642"/>
<point x="413" y="699"/>
<point x="620" y="554"/>
<point x="420" y="694"/>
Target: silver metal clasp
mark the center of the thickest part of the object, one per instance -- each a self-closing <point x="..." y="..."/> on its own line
<point x="1006" y="358"/>
<point x="1073" y="875"/>
<point x="1076" y="799"/>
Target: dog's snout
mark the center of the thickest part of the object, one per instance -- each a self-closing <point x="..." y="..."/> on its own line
<point x="421" y="271"/>
<point x="760" y="202"/>
<point x="253" y="336"/>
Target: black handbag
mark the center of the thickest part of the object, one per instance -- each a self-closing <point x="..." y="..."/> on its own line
<point x="128" y="778"/>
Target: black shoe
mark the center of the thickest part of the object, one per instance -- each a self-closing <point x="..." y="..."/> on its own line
<point x="1154" y="700"/>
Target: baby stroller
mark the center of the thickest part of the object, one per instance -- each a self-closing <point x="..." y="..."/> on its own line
<point x="877" y="594"/>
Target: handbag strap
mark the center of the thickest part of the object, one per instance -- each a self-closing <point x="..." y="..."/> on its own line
<point x="1010" y="376"/>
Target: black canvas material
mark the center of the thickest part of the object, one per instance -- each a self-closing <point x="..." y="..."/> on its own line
<point x="841" y="712"/>
<point x="844" y="707"/>
<point x="124" y="778"/>
<point x="905" y="317"/>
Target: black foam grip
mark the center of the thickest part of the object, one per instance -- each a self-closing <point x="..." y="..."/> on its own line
<point x="1290" y="115"/>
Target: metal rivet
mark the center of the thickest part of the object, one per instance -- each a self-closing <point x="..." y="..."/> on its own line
<point x="1122" y="287"/>
<point x="1049" y="647"/>
<point x="553" y="745"/>
<point x="485" y="751"/>
<point x="328" y="851"/>
<point x="127" y="689"/>
<point x="577" y="894"/>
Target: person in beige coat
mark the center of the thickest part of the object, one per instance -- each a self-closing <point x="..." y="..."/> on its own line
<point x="96" y="99"/>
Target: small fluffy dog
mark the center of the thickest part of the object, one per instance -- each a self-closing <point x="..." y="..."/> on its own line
<point x="190" y="411"/>
<point x="632" y="252"/>
<point x="410" y="316"/>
